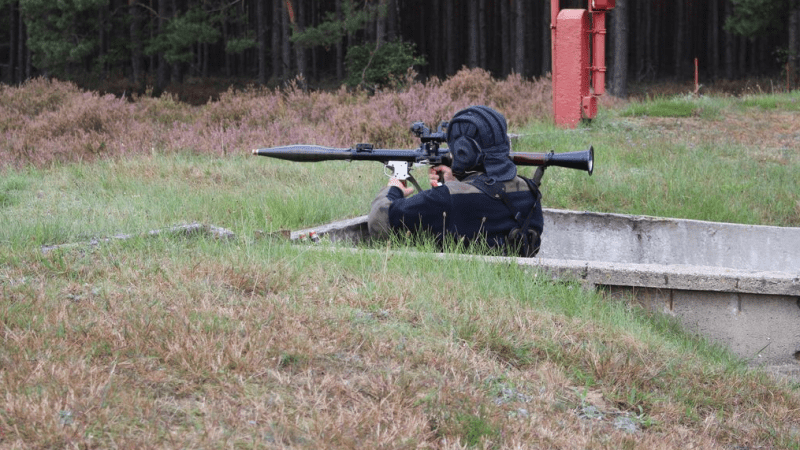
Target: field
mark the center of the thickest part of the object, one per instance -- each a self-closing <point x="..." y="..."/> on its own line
<point x="180" y="340"/>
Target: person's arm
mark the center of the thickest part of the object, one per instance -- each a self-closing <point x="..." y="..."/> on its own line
<point x="427" y="210"/>
<point x="378" y="219"/>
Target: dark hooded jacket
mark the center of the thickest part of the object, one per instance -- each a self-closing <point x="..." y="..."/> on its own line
<point x="487" y="202"/>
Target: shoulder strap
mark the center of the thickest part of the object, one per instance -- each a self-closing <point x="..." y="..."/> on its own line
<point x="524" y="236"/>
<point x="493" y="189"/>
<point x="487" y="185"/>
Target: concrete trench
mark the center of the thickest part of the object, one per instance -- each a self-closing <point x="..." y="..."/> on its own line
<point x="738" y="285"/>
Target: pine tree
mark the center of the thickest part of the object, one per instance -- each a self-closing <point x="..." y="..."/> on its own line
<point x="62" y="36"/>
<point x="757" y="18"/>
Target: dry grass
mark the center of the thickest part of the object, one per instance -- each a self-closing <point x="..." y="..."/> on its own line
<point x="137" y="346"/>
<point x="773" y="133"/>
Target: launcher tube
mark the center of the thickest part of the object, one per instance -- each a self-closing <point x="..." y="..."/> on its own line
<point x="581" y="160"/>
<point x="316" y="153"/>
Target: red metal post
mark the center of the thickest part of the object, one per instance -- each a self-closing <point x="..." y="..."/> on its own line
<point x="554" y="8"/>
<point x="571" y="69"/>
<point x="598" y="9"/>
<point x="599" y="52"/>
<point x="573" y="65"/>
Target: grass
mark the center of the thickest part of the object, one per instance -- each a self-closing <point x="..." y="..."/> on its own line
<point x="259" y="343"/>
<point x="677" y="106"/>
<point x="784" y="101"/>
<point x="718" y="167"/>
<point x="186" y="342"/>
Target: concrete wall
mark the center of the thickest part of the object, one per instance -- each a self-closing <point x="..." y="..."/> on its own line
<point x="764" y="329"/>
<point x="595" y="236"/>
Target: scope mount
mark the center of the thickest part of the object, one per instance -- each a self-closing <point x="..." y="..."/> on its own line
<point x="424" y="133"/>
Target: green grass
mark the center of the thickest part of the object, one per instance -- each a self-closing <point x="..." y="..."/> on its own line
<point x="81" y="202"/>
<point x="686" y="106"/>
<point x="784" y="101"/>
<point x="674" y="171"/>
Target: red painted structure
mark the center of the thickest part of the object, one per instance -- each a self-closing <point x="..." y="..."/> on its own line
<point x="573" y="31"/>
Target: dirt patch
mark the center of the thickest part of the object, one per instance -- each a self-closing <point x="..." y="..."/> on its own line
<point x="766" y="130"/>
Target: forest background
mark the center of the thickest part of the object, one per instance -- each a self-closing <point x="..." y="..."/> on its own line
<point x="121" y="46"/>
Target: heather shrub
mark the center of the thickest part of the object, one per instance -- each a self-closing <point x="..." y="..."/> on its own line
<point x="84" y="112"/>
<point x="233" y="107"/>
<point x="66" y="125"/>
<point x="518" y="99"/>
<point x="47" y="121"/>
<point x="164" y="110"/>
<point x="521" y="100"/>
<point x="36" y="96"/>
<point x="469" y="83"/>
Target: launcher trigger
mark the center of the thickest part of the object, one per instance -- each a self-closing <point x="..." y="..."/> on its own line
<point x="401" y="171"/>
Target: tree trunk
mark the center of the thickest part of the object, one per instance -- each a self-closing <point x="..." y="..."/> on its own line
<point x="194" y="67"/>
<point x="285" y="49"/>
<point x="161" y="78"/>
<point x="27" y="56"/>
<point x="206" y="58"/>
<point x="152" y="58"/>
<point x="176" y="75"/>
<point x="729" y="59"/>
<point x="450" y="39"/>
<point x="380" y="25"/>
<point x="339" y="46"/>
<point x="21" y="44"/>
<point x="713" y="66"/>
<point x="547" y="61"/>
<point x="275" y="45"/>
<point x="482" y="33"/>
<point x="742" y="55"/>
<point x="422" y="34"/>
<point x="519" y="64"/>
<point x="473" y="33"/>
<point x="241" y="30"/>
<point x="505" y="37"/>
<point x="314" y="55"/>
<point x="655" y="40"/>
<point x="102" y="14"/>
<point x="680" y="27"/>
<point x="794" y="39"/>
<point x="261" y="31"/>
<point x="619" y="81"/>
<point x="299" y="50"/>
<point x="435" y="57"/>
<point x="391" y="20"/>
<point x="136" y="42"/>
<point x="13" y="35"/>
<point x="225" y="38"/>
<point x="639" y="27"/>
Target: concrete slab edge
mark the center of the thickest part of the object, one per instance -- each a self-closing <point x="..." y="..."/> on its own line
<point x="684" y="277"/>
<point x="192" y="229"/>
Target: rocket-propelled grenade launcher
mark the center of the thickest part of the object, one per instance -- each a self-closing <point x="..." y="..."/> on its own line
<point x="401" y="161"/>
